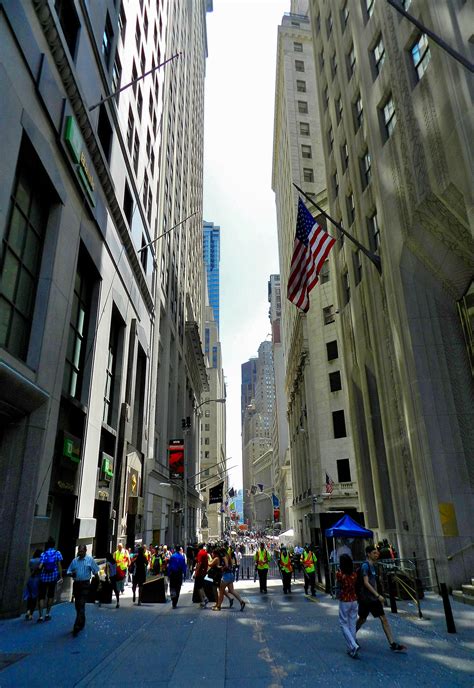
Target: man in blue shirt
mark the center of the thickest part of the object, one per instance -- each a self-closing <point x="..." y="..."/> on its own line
<point x="176" y="570"/>
<point x="81" y="569"/>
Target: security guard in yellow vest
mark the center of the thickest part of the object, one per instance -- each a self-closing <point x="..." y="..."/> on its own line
<point x="286" y="569"/>
<point x="309" y="561"/>
<point x="262" y="564"/>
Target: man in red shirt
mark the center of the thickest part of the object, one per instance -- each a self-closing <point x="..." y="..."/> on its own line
<point x="200" y="571"/>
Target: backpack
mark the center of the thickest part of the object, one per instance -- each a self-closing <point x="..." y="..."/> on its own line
<point x="49" y="561"/>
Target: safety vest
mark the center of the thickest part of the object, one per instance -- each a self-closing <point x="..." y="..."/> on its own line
<point x="121" y="558"/>
<point x="261" y="558"/>
<point x="309" y="560"/>
<point x="285" y="563"/>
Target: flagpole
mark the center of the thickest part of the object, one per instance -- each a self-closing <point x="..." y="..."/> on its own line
<point x="373" y="257"/>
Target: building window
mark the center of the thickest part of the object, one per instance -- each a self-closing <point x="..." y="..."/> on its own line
<point x="301" y="86"/>
<point x="330" y="139"/>
<point x="366" y="169"/>
<point x="335" y="184"/>
<point x="369" y="8"/>
<point x="343" y="471"/>
<point x="130" y="129"/>
<point x="333" y="65"/>
<point x="128" y="204"/>
<point x="145" y="24"/>
<point x="321" y="60"/>
<point x="306" y="151"/>
<point x="420" y="55"/>
<point x="326" y="97"/>
<point x="104" y="132"/>
<point x="344" y="16"/>
<point x="299" y="65"/>
<point x="389" y="117"/>
<point x="139" y="104"/>
<point x="338" y="109"/>
<point x="378" y="55"/>
<point x="22" y="250"/>
<point x="373" y="231"/>
<point x="329" y="24"/>
<point x="304" y="128"/>
<point x="324" y="274"/>
<point x="351" y="63"/>
<point x="346" y="287"/>
<point x="358" y="113"/>
<point x="335" y="381"/>
<point x="357" y="262"/>
<point x="138" y="35"/>
<point x="298" y="47"/>
<point x="78" y="326"/>
<point x="339" y="424"/>
<point x="108" y="415"/>
<point x="344" y="156"/>
<point x="134" y="78"/>
<point x="331" y="349"/>
<point x="69" y="23"/>
<point x="350" y="209"/>
<point x="308" y="175"/>
<point x="136" y="152"/>
<point x="107" y="39"/>
<point x="302" y="107"/>
<point x="122" y="22"/>
<point x="116" y="77"/>
<point x="329" y="315"/>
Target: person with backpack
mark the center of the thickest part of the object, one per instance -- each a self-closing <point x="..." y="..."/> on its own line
<point x="346" y="579"/>
<point x="370" y="602"/>
<point x="50" y="574"/>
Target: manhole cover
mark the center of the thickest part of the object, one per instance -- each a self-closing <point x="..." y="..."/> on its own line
<point x="6" y="659"/>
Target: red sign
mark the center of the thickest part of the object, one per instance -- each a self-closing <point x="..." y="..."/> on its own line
<point x="176" y="458"/>
<point x="276" y="514"/>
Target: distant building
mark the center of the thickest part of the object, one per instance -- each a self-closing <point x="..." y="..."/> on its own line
<point x="211" y="250"/>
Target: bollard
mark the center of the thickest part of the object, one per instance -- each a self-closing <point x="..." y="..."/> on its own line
<point x="392" y="590"/>
<point x="448" y="612"/>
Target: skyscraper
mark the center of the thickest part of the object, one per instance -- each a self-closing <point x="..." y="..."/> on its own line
<point x="211" y="247"/>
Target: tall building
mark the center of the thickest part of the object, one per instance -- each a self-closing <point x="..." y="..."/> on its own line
<point x="94" y="311"/>
<point x="396" y="113"/>
<point x="257" y="422"/>
<point x="316" y="394"/>
<point x="211" y="245"/>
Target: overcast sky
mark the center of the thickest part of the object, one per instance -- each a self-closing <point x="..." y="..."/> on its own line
<point x="239" y="107"/>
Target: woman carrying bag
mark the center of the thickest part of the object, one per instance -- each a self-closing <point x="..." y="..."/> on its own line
<point x="227" y="582"/>
<point x="214" y="573"/>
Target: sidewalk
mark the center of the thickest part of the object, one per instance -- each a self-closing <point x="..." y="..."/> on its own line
<point x="278" y="641"/>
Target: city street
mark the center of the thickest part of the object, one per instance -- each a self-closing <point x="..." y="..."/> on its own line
<point x="277" y="641"/>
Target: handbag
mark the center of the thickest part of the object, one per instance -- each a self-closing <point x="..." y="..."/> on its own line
<point x="208" y="579"/>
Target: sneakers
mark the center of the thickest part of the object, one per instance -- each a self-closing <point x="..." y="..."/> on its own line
<point x="396" y="647"/>
<point x="242" y="606"/>
<point x="353" y="653"/>
<point x="205" y="603"/>
<point x="28" y="616"/>
<point x="216" y="608"/>
<point x="40" y="620"/>
<point x="231" y="603"/>
<point x="47" y="617"/>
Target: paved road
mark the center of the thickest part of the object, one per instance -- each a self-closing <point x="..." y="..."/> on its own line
<point x="278" y="641"/>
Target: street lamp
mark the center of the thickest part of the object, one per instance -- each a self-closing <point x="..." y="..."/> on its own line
<point x="208" y="401"/>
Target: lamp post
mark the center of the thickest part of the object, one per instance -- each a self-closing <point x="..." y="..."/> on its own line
<point x="187" y="427"/>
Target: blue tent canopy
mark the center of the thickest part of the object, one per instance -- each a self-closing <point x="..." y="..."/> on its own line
<point x="346" y="527"/>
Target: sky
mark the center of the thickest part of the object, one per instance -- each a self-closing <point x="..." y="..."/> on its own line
<point x="238" y="148"/>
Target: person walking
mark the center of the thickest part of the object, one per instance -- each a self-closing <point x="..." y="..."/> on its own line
<point x="214" y="572"/>
<point x="139" y="575"/>
<point x="262" y="564"/>
<point x="227" y="583"/>
<point x="176" y="572"/>
<point x="111" y="576"/>
<point x="370" y="602"/>
<point x="81" y="569"/>
<point x="122" y="559"/>
<point x="50" y="575"/>
<point x="309" y="561"/>
<point x="32" y="585"/>
<point x="202" y="563"/>
<point x="346" y="579"/>
<point x="238" y="559"/>
<point x="286" y="569"/>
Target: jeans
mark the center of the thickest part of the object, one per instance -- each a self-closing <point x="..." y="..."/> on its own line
<point x="348" y="620"/>
<point x="262" y="578"/>
<point x="80" y="590"/>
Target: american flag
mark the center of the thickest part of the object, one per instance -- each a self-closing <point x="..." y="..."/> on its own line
<point x="329" y="484"/>
<point x="310" y="250"/>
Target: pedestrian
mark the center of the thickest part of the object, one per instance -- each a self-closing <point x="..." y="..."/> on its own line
<point x="81" y="569"/>
<point x="309" y="561"/>
<point x="227" y="583"/>
<point x="370" y="602"/>
<point x="122" y="559"/>
<point x="200" y="571"/>
<point x="262" y="559"/>
<point x="190" y="553"/>
<point x="346" y="579"/>
<point x="32" y="586"/>
<point x="214" y="573"/>
<point x="286" y="569"/>
<point x="111" y="576"/>
<point x="139" y="576"/>
<point x="238" y="559"/>
<point x="176" y="572"/>
<point x="50" y="575"/>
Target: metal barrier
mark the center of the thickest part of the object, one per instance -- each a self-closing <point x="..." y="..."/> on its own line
<point x="247" y="569"/>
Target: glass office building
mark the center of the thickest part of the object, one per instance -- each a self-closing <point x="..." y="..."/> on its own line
<point x="211" y="249"/>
